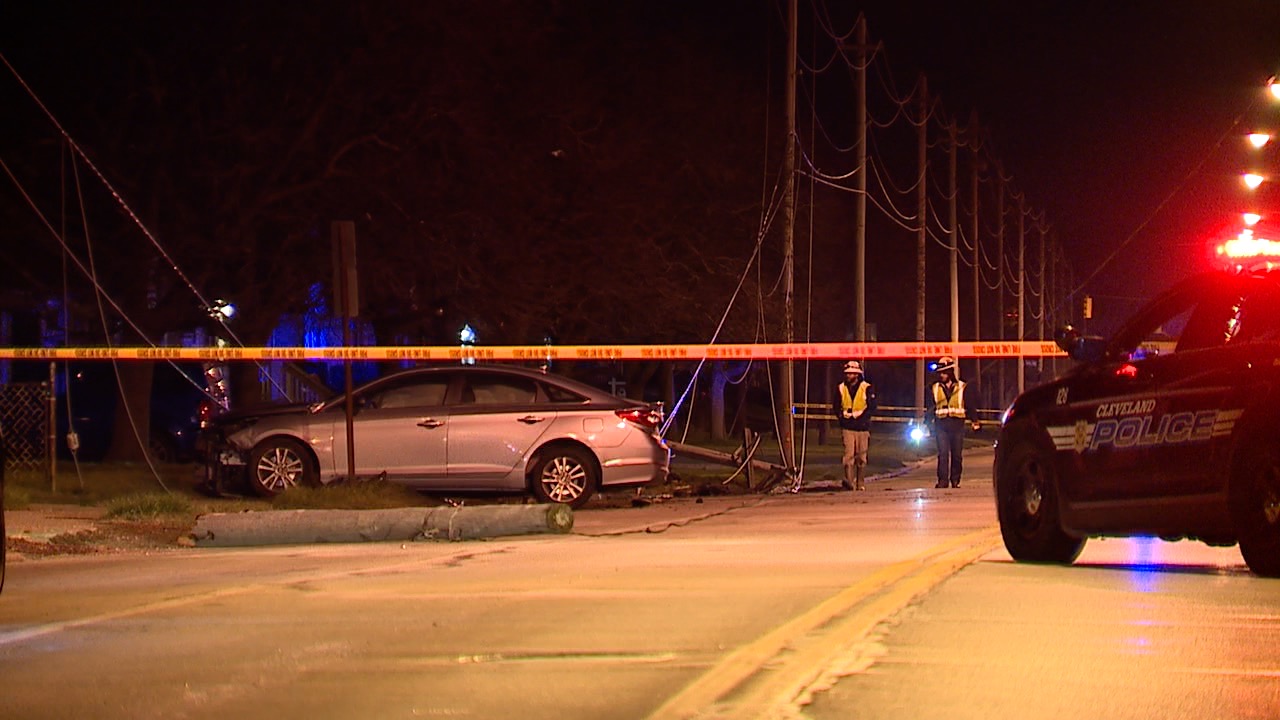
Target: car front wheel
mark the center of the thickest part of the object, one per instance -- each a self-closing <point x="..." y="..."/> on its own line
<point x="1255" y="510"/>
<point x="278" y="464"/>
<point x="1027" y="506"/>
<point x="564" y="475"/>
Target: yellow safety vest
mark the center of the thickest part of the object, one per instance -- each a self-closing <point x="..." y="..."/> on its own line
<point x="945" y="407"/>
<point x="856" y="403"/>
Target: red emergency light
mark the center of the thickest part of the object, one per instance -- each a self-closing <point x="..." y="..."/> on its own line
<point x="1247" y="246"/>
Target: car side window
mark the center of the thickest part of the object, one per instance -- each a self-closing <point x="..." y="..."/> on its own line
<point x="1257" y="317"/>
<point x="1213" y="324"/>
<point x="497" y="390"/>
<point x="427" y="393"/>
<point x="557" y="394"/>
<point x="1199" y="315"/>
<point x="1160" y="329"/>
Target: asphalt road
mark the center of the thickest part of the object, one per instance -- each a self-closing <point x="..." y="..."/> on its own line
<point x="896" y="602"/>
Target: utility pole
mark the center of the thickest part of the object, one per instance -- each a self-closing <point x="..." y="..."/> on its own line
<point x="974" y="146"/>
<point x="348" y="305"/>
<point x="1022" y="287"/>
<point x="922" y="147"/>
<point x="860" y="198"/>
<point x="1000" y="364"/>
<point x="954" y="227"/>
<point x="786" y="426"/>
<point x="1044" y="232"/>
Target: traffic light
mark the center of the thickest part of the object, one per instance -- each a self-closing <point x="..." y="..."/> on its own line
<point x="1088" y="307"/>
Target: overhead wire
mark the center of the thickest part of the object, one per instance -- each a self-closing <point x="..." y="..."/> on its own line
<point x="143" y="444"/>
<point x="1172" y="193"/>
<point x="205" y="305"/>
<point x="769" y="204"/>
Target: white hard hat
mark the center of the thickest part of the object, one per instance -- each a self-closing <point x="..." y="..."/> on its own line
<point x="853" y="366"/>
<point x="946" y="362"/>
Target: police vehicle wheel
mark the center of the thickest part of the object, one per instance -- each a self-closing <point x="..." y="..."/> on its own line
<point x="564" y="475"/>
<point x="1255" y="510"/>
<point x="278" y="464"/>
<point x="1027" y="506"/>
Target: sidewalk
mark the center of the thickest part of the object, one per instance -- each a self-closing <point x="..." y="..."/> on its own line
<point x="39" y="523"/>
<point x="79" y="529"/>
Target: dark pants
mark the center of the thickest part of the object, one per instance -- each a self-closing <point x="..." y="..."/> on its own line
<point x="948" y="433"/>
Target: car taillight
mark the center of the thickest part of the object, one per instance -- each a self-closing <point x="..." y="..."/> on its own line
<point x="647" y="417"/>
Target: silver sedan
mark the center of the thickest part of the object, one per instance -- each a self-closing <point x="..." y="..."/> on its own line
<point x="450" y="429"/>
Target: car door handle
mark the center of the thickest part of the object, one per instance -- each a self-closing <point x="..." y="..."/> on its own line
<point x="431" y="423"/>
<point x="531" y="419"/>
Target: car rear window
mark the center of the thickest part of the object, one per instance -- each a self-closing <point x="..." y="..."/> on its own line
<point x="557" y="394"/>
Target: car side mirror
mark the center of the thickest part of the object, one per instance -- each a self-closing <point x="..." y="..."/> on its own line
<point x="1077" y="346"/>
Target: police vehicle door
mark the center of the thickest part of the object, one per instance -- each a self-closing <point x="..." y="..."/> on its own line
<point x="1160" y="419"/>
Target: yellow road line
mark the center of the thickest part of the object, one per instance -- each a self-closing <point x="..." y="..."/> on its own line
<point x="899" y="583"/>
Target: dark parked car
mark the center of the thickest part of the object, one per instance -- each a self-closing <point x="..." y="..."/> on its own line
<point x="449" y="429"/>
<point x="1169" y="429"/>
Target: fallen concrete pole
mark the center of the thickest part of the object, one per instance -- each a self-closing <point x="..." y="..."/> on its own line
<point x="291" y="527"/>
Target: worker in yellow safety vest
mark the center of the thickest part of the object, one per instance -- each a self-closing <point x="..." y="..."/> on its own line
<point x="855" y="401"/>
<point x="948" y="410"/>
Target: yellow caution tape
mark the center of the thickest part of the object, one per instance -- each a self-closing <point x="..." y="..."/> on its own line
<point x="775" y="351"/>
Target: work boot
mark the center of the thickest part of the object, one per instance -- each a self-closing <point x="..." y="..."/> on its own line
<point x="846" y="485"/>
<point x="861" y="481"/>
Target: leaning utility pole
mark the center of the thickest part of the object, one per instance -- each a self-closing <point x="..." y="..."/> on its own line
<point x="786" y="424"/>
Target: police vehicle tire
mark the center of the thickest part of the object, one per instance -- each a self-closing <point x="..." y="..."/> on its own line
<point x="1027" y="507"/>
<point x="278" y="464"/>
<point x="1255" y="510"/>
<point x="564" y="475"/>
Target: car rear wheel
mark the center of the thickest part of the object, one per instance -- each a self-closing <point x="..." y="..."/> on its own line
<point x="278" y="464"/>
<point x="1255" y="510"/>
<point x="564" y="475"/>
<point x="1027" y="506"/>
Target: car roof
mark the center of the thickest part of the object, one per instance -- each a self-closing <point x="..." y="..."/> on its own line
<point x="593" y="393"/>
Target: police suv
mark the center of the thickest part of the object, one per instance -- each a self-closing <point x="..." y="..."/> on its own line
<point x="1171" y="429"/>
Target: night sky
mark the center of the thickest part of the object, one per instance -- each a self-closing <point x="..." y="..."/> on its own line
<point x="1103" y="111"/>
<point x="1099" y="111"/>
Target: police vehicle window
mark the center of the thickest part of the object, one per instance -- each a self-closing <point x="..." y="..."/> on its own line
<point x="1155" y="329"/>
<point x="1159" y="334"/>
<point x="500" y="391"/>
<point x="1257" y="317"/>
<point x="1213" y="324"/>
<point x="1164" y="338"/>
